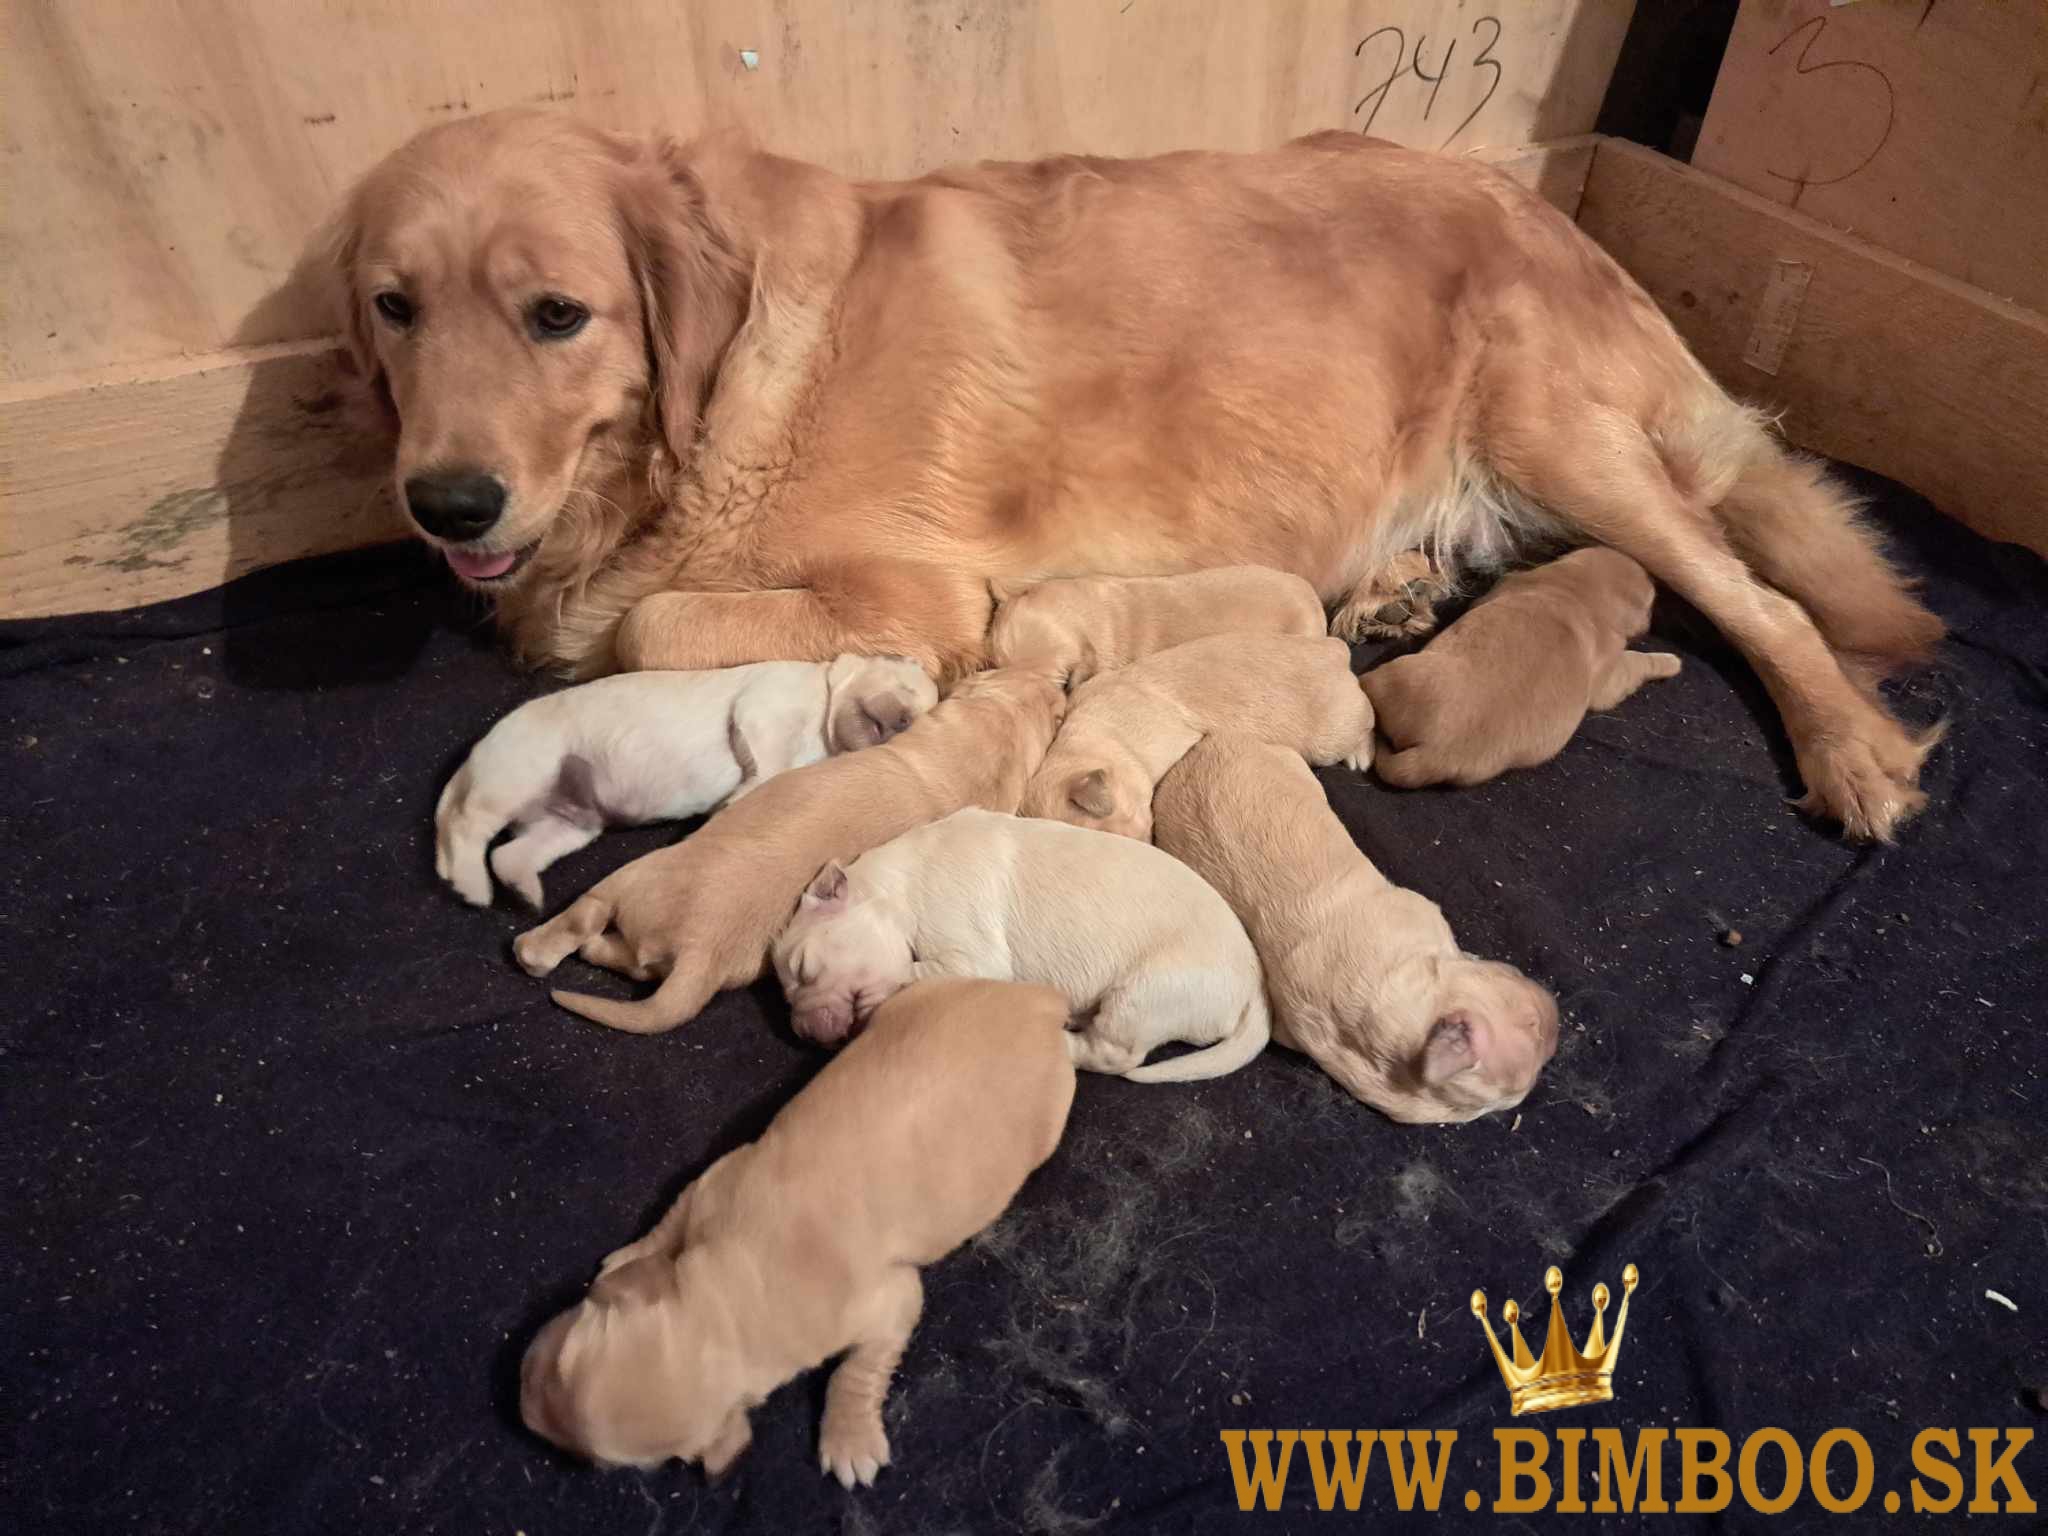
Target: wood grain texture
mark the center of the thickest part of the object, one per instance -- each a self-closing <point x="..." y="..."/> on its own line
<point x="1921" y="128"/>
<point x="165" y="164"/>
<point x="1879" y="361"/>
<point x="142" y="483"/>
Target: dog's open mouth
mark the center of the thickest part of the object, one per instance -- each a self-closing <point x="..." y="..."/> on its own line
<point x="484" y="567"/>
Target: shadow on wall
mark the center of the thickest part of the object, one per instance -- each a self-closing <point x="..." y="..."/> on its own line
<point x="306" y="470"/>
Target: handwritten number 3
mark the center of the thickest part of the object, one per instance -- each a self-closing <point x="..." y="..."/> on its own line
<point x="1486" y="58"/>
<point x="1819" y="24"/>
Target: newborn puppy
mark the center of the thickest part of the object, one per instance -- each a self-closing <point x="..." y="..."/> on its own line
<point x="1090" y="624"/>
<point x="1506" y="685"/>
<point x="1141" y="949"/>
<point x="1362" y="975"/>
<point x="703" y="912"/>
<point x="1127" y="728"/>
<point x="654" y="746"/>
<point x="808" y="1242"/>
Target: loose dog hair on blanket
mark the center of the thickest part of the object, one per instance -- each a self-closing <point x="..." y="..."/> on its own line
<point x="701" y="915"/>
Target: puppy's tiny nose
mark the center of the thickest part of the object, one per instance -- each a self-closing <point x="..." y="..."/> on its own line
<point x="455" y="504"/>
<point x="892" y="715"/>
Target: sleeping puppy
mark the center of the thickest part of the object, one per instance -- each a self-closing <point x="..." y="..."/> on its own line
<point x="701" y="914"/>
<point x="914" y="1138"/>
<point x="1090" y="624"/>
<point x="1506" y="685"/>
<point x="1141" y="949"/>
<point x="1126" y="728"/>
<point x="1362" y="975"/>
<point x="654" y="746"/>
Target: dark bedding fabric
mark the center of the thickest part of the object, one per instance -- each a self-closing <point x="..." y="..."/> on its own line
<point x="296" y="1160"/>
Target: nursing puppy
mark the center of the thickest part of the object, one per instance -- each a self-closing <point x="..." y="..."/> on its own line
<point x="1362" y="975"/>
<point x="1090" y="624"/>
<point x="1506" y="685"/>
<point x="654" y="746"/>
<point x="914" y="1138"/>
<point x="702" y="913"/>
<point x="1144" y="953"/>
<point x="1126" y="728"/>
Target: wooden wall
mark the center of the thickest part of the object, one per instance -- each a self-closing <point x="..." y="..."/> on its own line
<point x="166" y="162"/>
<point x="1919" y="127"/>
<point x="168" y="407"/>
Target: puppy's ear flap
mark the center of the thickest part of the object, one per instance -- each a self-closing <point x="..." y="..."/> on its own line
<point x="828" y="887"/>
<point x="1453" y="1046"/>
<point x="694" y="286"/>
<point x="641" y="1281"/>
<point x="1090" y="794"/>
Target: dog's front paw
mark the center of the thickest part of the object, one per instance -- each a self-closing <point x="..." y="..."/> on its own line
<point x="853" y="1447"/>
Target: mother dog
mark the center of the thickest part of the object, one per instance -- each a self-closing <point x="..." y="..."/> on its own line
<point x="691" y="405"/>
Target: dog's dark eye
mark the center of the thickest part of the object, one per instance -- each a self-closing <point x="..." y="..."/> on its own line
<point x="396" y="308"/>
<point x="553" y="319"/>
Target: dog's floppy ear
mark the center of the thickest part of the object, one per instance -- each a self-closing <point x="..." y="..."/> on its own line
<point x="328" y="269"/>
<point x="1089" y="793"/>
<point x="828" y="887"/>
<point x="694" y="286"/>
<point x="1452" y="1047"/>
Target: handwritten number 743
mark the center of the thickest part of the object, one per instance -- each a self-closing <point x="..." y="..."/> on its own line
<point x="1401" y="61"/>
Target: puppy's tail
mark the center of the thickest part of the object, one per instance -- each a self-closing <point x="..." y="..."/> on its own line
<point x="679" y="999"/>
<point x="1254" y="1029"/>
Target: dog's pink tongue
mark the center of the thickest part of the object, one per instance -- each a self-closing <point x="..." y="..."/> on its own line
<point x="478" y="567"/>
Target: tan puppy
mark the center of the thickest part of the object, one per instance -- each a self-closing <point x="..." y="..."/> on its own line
<point x="1506" y="685"/>
<point x="703" y="913"/>
<point x="1363" y="975"/>
<point x="808" y="1242"/>
<point x="1090" y="624"/>
<point x="1127" y="728"/>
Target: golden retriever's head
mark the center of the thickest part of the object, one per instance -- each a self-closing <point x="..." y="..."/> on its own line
<point x="642" y="1370"/>
<point x="543" y="305"/>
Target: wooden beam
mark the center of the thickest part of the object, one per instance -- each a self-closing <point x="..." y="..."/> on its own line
<point x="1874" y="359"/>
<point x="134" y="485"/>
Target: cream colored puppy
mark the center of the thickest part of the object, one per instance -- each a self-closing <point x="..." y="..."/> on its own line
<point x="654" y="746"/>
<point x="1363" y="976"/>
<point x="1126" y="728"/>
<point x="1507" y="685"/>
<point x="701" y="914"/>
<point x="807" y="1243"/>
<point x="1089" y="624"/>
<point x="1144" y="953"/>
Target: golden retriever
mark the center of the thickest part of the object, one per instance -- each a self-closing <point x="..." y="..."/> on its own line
<point x="1507" y="685"/>
<point x="688" y="405"/>
<point x="808" y="1242"/>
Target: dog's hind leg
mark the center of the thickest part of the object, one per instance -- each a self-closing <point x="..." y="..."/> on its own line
<point x="1599" y="471"/>
<point x="611" y="951"/>
<point x="540" y="950"/>
<point x="1628" y="672"/>
<point x="464" y="825"/>
<point x="540" y="842"/>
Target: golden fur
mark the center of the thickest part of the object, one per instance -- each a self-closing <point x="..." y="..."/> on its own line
<point x="1363" y="975"/>
<point x="1126" y="728"/>
<point x="808" y="1242"/>
<point x="1506" y="685"/>
<point x="701" y="914"/>
<point x="1088" y="624"/>
<point x="811" y="415"/>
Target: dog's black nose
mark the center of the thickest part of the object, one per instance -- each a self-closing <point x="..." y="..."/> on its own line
<point x="455" y="503"/>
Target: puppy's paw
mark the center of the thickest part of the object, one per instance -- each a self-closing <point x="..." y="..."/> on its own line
<point x="535" y="955"/>
<point x="853" y="1448"/>
<point x="1408" y="612"/>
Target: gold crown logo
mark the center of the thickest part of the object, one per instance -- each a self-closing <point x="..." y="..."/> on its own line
<point x="1565" y="1377"/>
